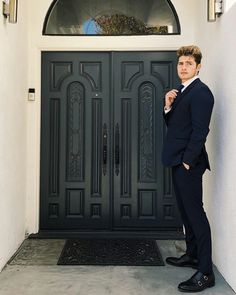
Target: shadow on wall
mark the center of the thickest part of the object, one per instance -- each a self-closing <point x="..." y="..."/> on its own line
<point x="221" y="52"/>
<point x="220" y="185"/>
<point x="222" y="140"/>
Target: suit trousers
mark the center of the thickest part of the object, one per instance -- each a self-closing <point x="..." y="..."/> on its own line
<point x="188" y="190"/>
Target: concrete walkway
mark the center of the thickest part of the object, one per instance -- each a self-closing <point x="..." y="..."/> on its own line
<point x="33" y="271"/>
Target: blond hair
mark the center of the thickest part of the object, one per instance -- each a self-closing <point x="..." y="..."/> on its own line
<point x="190" y="50"/>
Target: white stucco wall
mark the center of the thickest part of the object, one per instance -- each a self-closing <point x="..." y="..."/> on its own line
<point x="13" y="93"/>
<point x="218" y="43"/>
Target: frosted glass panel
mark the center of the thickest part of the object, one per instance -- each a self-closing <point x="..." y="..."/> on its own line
<point x="111" y="17"/>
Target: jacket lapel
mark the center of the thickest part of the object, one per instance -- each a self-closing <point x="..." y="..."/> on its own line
<point x="184" y="93"/>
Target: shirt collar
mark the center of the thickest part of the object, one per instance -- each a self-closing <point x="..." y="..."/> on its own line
<point x="188" y="82"/>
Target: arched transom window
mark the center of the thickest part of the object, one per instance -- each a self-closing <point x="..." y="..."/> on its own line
<point x="111" y="17"/>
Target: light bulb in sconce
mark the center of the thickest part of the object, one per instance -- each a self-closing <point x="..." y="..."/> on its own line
<point x="10" y="10"/>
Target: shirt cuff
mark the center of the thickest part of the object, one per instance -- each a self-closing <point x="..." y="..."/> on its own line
<point x="166" y="110"/>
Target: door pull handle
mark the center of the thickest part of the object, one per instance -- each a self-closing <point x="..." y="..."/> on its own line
<point x="117" y="150"/>
<point x="104" y="151"/>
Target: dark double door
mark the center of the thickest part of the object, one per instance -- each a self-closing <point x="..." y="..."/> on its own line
<point x="101" y="139"/>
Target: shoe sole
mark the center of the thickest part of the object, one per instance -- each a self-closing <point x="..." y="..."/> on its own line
<point x="192" y="291"/>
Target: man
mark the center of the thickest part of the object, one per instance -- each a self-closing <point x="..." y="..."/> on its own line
<point x="187" y="114"/>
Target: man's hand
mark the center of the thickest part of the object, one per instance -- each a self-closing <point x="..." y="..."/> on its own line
<point x="186" y="166"/>
<point x="170" y="97"/>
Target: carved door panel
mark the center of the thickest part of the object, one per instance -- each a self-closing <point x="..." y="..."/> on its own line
<point x="75" y="167"/>
<point x="143" y="196"/>
<point x="101" y="138"/>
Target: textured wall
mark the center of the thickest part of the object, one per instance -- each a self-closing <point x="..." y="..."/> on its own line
<point x="13" y="91"/>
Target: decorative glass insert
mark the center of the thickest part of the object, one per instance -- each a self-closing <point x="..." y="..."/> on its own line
<point x="111" y="17"/>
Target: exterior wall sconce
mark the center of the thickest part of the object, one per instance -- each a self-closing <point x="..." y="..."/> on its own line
<point x="10" y="10"/>
<point x="215" y="8"/>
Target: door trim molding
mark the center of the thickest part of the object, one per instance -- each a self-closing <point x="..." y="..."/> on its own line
<point x="34" y="128"/>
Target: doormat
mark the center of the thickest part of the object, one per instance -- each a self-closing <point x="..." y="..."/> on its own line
<point x="111" y="252"/>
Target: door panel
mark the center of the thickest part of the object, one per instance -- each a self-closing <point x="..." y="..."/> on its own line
<point x="101" y="139"/>
<point x="75" y="115"/>
<point x="141" y="199"/>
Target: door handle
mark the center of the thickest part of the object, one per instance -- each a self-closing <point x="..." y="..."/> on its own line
<point x="104" y="151"/>
<point x="117" y="150"/>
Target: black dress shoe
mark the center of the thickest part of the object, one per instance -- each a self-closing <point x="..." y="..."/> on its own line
<point x="197" y="283"/>
<point x="183" y="261"/>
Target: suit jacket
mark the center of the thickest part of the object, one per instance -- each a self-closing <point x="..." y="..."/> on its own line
<point x="188" y="126"/>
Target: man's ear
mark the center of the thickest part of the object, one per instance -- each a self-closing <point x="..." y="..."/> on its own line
<point x="198" y="68"/>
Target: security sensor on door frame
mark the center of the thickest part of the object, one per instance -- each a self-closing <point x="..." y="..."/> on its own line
<point x="10" y="10"/>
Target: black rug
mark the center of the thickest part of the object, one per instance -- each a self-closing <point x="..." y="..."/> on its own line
<point x="110" y="252"/>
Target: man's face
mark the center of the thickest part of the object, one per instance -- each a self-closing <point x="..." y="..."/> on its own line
<point x="187" y="68"/>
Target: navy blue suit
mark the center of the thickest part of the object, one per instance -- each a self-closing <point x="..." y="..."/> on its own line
<point x="187" y="130"/>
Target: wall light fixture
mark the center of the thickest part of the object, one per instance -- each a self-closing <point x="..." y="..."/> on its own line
<point x="10" y="10"/>
<point x="215" y="8"/>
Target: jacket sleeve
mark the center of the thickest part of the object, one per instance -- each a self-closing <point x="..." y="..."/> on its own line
<point x="165" y="116"/>
<point x="201" y="109"/>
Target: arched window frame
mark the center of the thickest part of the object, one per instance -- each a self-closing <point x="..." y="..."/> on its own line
<point x="54" y="2"/>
